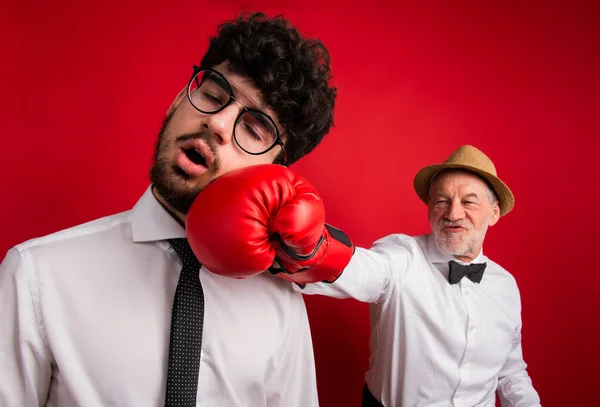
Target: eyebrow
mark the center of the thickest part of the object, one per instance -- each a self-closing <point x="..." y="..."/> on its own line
<point x="224" y="84"/>
<point x="262" y="119"/>
<point x="256" y="104"/>
<point x="471" y="195"/>
<point x="217" y="80"/>
<point x="443" y="195"/>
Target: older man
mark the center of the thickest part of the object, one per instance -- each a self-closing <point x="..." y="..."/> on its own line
<point x="445" y="319"/>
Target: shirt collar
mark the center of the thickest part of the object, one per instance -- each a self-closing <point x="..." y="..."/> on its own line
<point x="151" y="222"/>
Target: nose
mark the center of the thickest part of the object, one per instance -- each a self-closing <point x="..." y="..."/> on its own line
<point x="455" y="211"/>
<point x="221" y="124"/>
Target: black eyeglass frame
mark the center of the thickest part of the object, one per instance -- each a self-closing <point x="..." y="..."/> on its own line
<point x="278" y="140"/>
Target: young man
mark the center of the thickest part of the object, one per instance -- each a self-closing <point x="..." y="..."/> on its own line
<point x="112" y="312"/>
<point x="445" y="319"/>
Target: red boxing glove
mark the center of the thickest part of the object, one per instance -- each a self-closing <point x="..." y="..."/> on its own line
<point x="242" y="220"/>
<point x="325" y="262"/>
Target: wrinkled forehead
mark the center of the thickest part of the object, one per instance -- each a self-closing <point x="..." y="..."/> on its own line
<point x="457" y="181"/>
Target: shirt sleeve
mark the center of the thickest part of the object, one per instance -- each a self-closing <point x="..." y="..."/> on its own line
<point x="371" y="273"/>
<point x="24" y="365"/>
<point x="515" y="388"/>
<point x="293" y="381"/>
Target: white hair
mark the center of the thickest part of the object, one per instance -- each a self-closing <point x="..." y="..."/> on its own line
<point x="491" y="194"/>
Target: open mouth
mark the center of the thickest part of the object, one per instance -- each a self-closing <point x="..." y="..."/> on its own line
<point x="195" y="157"/>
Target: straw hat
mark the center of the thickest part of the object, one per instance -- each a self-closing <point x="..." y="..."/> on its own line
<point x="471" y="159"/>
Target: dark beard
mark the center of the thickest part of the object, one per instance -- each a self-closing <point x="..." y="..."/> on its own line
<point x="171" y="183"/>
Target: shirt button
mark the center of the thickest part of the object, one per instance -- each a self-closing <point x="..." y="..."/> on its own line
<point x="471" y="327"/>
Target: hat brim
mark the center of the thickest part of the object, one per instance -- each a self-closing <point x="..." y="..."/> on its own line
<point x="506" y="199"/>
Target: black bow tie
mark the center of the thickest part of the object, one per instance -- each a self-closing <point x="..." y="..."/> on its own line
<point x="474" y="272"/>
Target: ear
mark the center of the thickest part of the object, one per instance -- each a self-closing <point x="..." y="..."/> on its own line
<point x="495" y="214"/>
<point x="178" y="99"/>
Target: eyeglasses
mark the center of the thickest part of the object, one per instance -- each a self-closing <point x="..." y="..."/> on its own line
<point x="254" y="131"/>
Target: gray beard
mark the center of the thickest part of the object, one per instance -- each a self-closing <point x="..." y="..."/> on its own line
<point x="463" y="246"/>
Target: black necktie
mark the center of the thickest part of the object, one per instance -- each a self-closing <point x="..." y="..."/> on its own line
<point x="186" y="330"/>
<point x="474" y="272"/>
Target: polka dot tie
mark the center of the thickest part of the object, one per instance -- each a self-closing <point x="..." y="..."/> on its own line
<point x="186" y="330"/>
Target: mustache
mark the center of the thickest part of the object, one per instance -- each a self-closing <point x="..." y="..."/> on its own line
<point x="196" y="136"/>
<point x="459" y="223"/>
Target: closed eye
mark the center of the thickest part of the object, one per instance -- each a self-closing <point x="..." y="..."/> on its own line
<point x="212" y="98"/>
<point x="251" y="130"/>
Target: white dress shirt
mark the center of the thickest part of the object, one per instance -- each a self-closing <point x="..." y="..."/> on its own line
<point x="433" y="343"/>
<point x="85" y="316"/>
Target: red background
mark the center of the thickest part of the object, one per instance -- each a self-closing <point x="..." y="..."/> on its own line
<point x="86" y="85"/>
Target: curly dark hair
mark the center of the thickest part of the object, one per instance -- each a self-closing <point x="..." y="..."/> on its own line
<point x="291" y="72"/>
